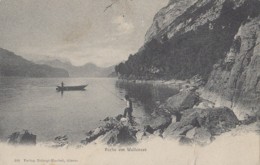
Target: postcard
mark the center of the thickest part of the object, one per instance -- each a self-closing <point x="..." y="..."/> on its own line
<point x="122" y="82"/>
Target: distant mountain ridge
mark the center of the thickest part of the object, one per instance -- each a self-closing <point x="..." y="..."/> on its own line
<point x="87" y="70"/>
<point x="14" y="65"/>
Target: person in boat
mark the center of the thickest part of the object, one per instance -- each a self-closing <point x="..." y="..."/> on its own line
<point x="129" y="108"/>
<point x="62" y="84"/>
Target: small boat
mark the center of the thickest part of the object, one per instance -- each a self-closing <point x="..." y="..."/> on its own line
<point x="71" y="88"/>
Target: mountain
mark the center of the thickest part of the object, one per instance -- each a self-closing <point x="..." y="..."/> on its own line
<point x="14" y="65"/>
<point x="87" y="70"/>
<point x="217" y="40"/>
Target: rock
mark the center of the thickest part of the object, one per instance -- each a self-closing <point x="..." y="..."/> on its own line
<point x="60" y="141"/>
<point x="158" y="122"/>
<point x="23" y="137"/>
<point x="149" y="129"/>
<point x="205" y="104"/>
<point x="166" y="16"/>
<point x="181" y="101"/>
<point x="147" y="136"/>
<point x="113" y="131"/>
<point x="202" y="136"/>
<point x="214" y="120"/>
<point x="174" y="119"/>
<point x="139" y="135"/>
<point x="258" y="114"/>
<point x="158" y="132"/>
<point x="186" y="141"/>
<point x="249" y="120"/>
<point x="106" y="119"/>
<point x="109" y="138"/>
<point x="191" y="133"/>
<point x="122" y="136"/>
<point x="197" y="81"/>
<point x="220" y="120"/>
<point x="118" y="117"/>
<point x="176" y="130"/>
<point x="94" y="134"/>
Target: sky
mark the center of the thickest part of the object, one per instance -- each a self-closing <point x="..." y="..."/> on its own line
<point x="80" y="31"/>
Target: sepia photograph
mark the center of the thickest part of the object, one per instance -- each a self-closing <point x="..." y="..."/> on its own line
<point x="129" y="82"/>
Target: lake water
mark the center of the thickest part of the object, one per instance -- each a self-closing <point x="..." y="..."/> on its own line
<point x="33" y="104"/>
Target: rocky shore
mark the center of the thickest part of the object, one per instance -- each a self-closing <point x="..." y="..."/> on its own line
<point x="186" y="117"/>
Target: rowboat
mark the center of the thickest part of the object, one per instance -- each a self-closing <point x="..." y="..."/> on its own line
<point x="71" y="88"/>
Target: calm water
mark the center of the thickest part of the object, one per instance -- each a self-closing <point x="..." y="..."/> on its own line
<point x="33" y="104"/>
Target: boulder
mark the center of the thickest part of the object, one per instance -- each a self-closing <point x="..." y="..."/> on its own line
<point x="175" y="130"/>
<point x="122" y="136"/>
<point x="23" y="137"/>
<point x="94" y="134"/>
<point x="249" y="120"/>
<point x="158" y="132"/>
<point x="109" y="124"/>
<point x="216" y="120"/>
<point x="181" y="101"/>
<point x="60" y="141"/>
<point x="202" y="136"/>
<point x="148" y="129"/>
<point x="211" y="121"/>
<point x="185" y="140"/>
<point x="113" y="131"/>
<point x="158" y="121"/>
<point x="139" y="135"/>
<point x="109" y="138"/>
<point x="191" y="133"/>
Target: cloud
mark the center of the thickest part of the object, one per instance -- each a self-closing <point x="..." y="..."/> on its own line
<point x="123" y="27"/>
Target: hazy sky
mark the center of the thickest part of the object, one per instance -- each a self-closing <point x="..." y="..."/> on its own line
<point x="78" y="30"/>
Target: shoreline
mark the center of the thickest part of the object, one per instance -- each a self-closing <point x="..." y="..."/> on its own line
<point x="164" y="122"/>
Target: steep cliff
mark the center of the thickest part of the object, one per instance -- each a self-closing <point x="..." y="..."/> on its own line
<point x="13" y="65"/>
<point x="216" y="39"/>
<point x="234" y="82"/>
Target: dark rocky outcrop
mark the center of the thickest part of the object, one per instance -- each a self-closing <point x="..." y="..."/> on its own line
<point x="22" y="138"/>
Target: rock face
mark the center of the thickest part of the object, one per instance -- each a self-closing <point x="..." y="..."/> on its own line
<point x="23" y="137"/>
<point x="166" y="16"/>
<point x="234" y="82"/>
<point x="217" y="40"/>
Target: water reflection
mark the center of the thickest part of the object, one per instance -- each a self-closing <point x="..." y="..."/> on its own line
<point x="148" y="95"/>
